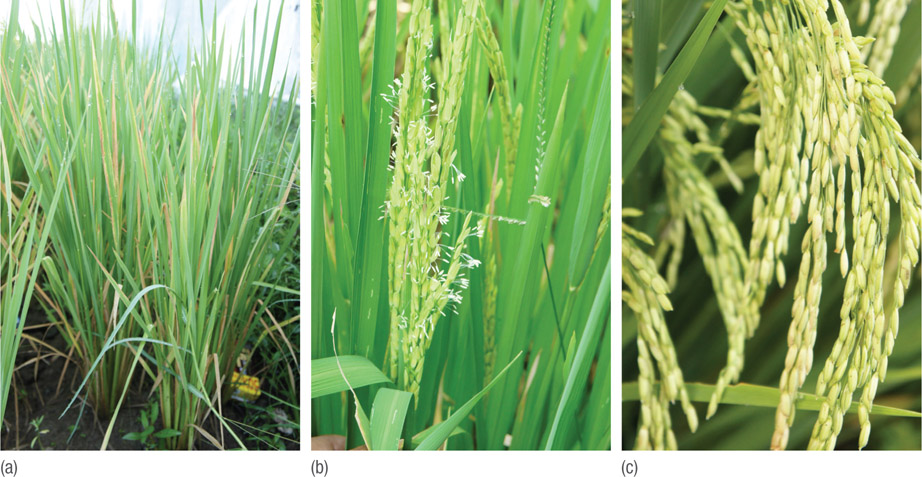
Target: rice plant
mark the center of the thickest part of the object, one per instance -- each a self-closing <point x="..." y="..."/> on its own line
<point x="23" y="237"/>
<point x="460" y="242"/>
<point x="177" y="181"/>
<point x="815" y="133"/>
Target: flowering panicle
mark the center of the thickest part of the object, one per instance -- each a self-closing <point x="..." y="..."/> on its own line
<point x="510" y="121"/>
<point x="423" y="271"/>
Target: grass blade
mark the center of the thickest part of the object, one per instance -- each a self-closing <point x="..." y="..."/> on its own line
<point x="762" y="396"/>
<point x="583" y="360"/>
<point x="327" y="379"/>
<point x="387" y="416"/>
<point x="638" y="134"/>
<point x="442" y="430"/>
<point x="596" y="177"/>
<point x="369" y="257"/>
<point x="646" y="48"/>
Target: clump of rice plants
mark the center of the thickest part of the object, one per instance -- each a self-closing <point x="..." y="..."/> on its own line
<point x="25" y="210"/>
<point x="810" y="136"/>
<point x="176" y="185"/>
<point x="93" y="229"/>
<point x="461" y="231"/>
<point x="23" y="237"/>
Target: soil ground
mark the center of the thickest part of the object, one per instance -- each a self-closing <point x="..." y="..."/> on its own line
<point x="43" y="393"/>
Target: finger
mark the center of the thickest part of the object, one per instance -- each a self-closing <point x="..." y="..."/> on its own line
<point x="328" y="442"/>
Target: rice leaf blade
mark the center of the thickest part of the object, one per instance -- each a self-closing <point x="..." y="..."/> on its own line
<point x="387" y="416"/>
<point x="326" y="378"/>
<point x="639" y="132"/>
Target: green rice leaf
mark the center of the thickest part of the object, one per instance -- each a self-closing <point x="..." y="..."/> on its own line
<point x="640" y="131"/>
<point x="370" y="256"/>
<point x="510" y="335"/>
<point x="646" y="48"/>
<point x="761" y="396"/>
<point x="578" y="373"/>
<point x="596" y="177"/>
<point x="327" y="379"/>
<point x="443" y="430"/>
<point x="422" y="435"/>
<point x="387" y="416"/>
<point x="677" y="19"/>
